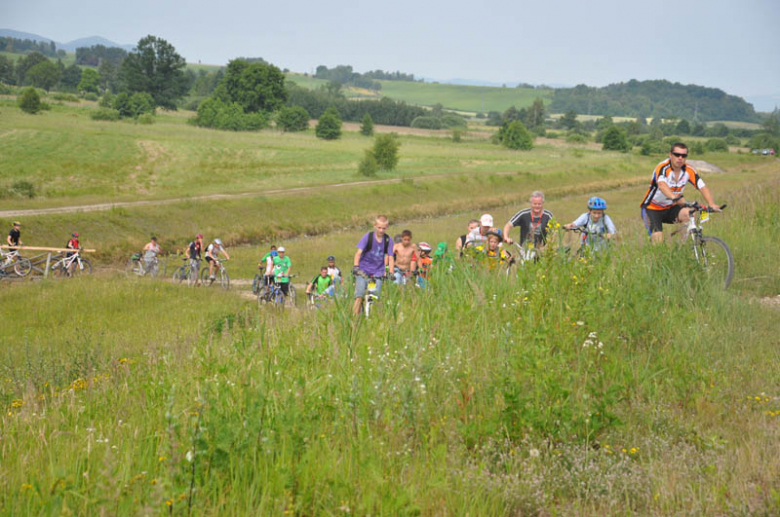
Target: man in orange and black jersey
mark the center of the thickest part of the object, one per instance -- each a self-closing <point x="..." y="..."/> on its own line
<point x="663" y="203"/>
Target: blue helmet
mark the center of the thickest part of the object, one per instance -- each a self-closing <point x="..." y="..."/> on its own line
<point x="596" y="203"/>
<point x="274" y="253"/>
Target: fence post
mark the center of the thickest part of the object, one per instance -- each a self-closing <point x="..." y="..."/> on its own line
<point x="48" y="261"/>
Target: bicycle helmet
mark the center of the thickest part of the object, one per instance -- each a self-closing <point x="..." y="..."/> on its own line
<point x="496" y="234"/>
<point x="274" y="253"/>
<point x="596" y="203"/>
<point x="331" y="258"/>
<point x="218" y="242"/>
<point x="74" y="234"/>
<point x="424" y="246"/>
<point x="199" y="236"/>
<point x="17" y="223"/>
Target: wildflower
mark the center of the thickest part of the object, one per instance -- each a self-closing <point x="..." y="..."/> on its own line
<point x="169" y="502"/>
<point x="534" y="453"/>
<point x="154" y="481"/>
<point x="123" y="360"/>
<point x="26" y="486"/>
<point x="17" y="403"/>
<point x="580" y="323"/>
<point x="161" y="459"/>
<point x="189" y="456"/>
<point x="634" y="450"/>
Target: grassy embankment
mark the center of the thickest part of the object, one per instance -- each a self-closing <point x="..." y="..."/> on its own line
<point x="477" y="396"/>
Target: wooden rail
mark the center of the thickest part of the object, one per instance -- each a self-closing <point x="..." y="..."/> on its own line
<point x="38" y="248"/>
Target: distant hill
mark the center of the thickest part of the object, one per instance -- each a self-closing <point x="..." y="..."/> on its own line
<point x="70" y="46"/>
<point x="658" y="98"/>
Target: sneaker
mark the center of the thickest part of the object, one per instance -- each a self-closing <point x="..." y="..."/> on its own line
<point x="212" y="278"/>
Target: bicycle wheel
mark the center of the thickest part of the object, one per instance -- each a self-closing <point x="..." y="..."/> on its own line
<point x="224" y="278"/>
<point x="192" y="275"/>
<point x="22" y="266"/>
<point x="293" y="296"/>
<point x="180" y="274"/>
<point x="205" y="279"/>
<point x="717" y="260"/>
<point x="133" y="268"/>
<point x="367" y="302"/>
<point x="84" y="269"/>
<point x="278" y="298"/>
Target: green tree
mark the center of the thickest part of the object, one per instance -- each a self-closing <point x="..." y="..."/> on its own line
<point x="44" y="75"/>
<point x="141" y="103"/>
<point x="615" y="139"/>
<point x="569" y="119"/>
<point x="535" y="116"/>
<point x="109" y="75"/>
<point x="604" y="123"/>
<point x="71" y="77"/>
<point x="683" y="127"/>
<point x="6" y="70"/>
<point x="367" y="125"/>
<point x="29" y="101"/>
<point x="89" y="81"/>
<point x="26" y="63"/>
<point x="516" y="136"/>
<point x="157" y="69"/>
<point x="771" y="124"/>
<point x="293" y="118"/>
<point x="329" y="125"/>
<point x="368" y="165"/>
<point x="386" y="151"/>
<point x="254" y="86"/>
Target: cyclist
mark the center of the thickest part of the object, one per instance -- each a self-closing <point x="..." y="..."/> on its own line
<point x="150" y="252"/>
<point x="282" y="266"/>
<point x="212" y="255"/>
<point x="597" y="223"/>
<point x="663" y="203"/>
<point x="424" y="262"/>
<point x="374" y="256"/>
<point x="267" y="263"/>
<point x="73" y="244"/>
<point x="492" y="251"/>
<point x="333" y="271"/>
<point x="322" y="284"/>
<point x="405" y="258"/>
<point x="461" y="242"/>
<point x="194" y="249"/>
<point x="14" y="236"/>
<point x="532" y="221"/>
<point x="479" y="235"/>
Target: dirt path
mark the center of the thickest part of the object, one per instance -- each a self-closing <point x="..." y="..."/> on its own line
<point x="292" y="190"/>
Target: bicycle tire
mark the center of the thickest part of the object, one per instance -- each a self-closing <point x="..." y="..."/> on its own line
<point x="279" y="299"/>
<point x="85" y="269"/>
<point x="22" y="266"/>
<point x="133" y="268"/>
<point x="205" y="280"/>
<point x="224" y="278"/>
<point x="293" y="296"/>
<point x="180" y="274"/>
<point x="192" y="274"/>
<point x="717" y="259"/>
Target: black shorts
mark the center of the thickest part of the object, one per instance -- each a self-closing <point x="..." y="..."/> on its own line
<point x="285" y="287"/>
<point x="655" y="219"/>
<point x="209" y="259"/>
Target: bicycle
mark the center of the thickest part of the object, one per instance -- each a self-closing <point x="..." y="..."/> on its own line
<point x="273" y="294"/>
<point x="370" y="297"/>
<point x="711" y="253"/>
<point x="137" y="265"/>
<point x="586" y="248"/>
<point x="189" y="271"/>
<point x="72" y="265"/>
<point x="524" y="253"/>
<point x="21" y="265"/>
<point x="221" y="275"/>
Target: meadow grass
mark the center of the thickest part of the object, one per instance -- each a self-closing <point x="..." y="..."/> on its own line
<point x="625" y="383"/>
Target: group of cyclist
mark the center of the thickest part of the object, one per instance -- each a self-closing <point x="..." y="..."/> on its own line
<point x="379" y="257"/>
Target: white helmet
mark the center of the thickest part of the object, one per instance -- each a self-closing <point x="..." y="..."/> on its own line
<point x="218" y="242"/>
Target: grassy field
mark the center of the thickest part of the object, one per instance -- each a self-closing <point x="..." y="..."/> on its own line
<point x="626" y="384"/>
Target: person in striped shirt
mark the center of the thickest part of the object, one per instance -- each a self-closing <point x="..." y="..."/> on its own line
<point x="663" y="202"/>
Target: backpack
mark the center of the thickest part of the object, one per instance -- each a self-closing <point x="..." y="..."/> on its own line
<point x="371" y="240"/>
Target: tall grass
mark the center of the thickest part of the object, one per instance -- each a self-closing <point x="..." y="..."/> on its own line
<point x="627" y="383"/>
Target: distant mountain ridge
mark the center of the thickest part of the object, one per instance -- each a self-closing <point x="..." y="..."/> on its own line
<point x="70" y="46"/>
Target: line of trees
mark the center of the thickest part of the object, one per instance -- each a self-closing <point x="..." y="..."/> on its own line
<point x="21" y="46"/>
<point x="657" y="99"/>
<point x="96" y="54"/>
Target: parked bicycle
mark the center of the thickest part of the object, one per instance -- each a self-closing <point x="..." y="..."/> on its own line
<point x="187" y="271"/>
<point x="12" y="261"/>
<point x="73" y="265"/>
<point x="710" y="252"/>
<point x="221" y="275"/>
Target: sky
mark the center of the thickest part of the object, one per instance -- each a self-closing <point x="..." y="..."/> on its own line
<point x="728" y="44"/>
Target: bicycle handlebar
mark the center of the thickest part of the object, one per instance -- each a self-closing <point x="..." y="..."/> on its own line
<point x="696" y="207"/>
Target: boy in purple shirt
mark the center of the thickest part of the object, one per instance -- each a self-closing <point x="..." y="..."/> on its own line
<point x="374" y="252"/>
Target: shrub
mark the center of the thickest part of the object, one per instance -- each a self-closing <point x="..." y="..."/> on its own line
<point x="539" y="131"/>
<point x="653" y="147"/>
<point x="67" y="97"/>
<point x="22" y="188"/>
<point x="89" y="96"/>
<point x="552" y="135"/>
<point x="716" y="144"/>
<point x="481" y="115"/>
<point x="386" y="151"/>
<point x="106" y="101"/>
<point x="427" y="122"/>
<point x="733" y="140"/>
<point x="329" y="125"/>
<point x="293" y="118"/>
<point x="192" y="104"/>
<point x="367" y="125"/>
<point x="764" y="141"/>
<point x="696" y="148"/>
<point x="104" y="114"/>
<point x="217" y="114"/>
<point x="146" y="118"/>
<point x="615" y="139"/>
<point x="457" y="134"/>
<point x="29" y="101"/>
<point x="368" y="165"/>
<point x="576" y="138"/>
<point x="451" y="121"/>
<point x="141" y="103"/>
<point x="516" y="136"/>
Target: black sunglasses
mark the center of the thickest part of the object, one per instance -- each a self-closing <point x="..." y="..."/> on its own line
<point x="680" y="155"/>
